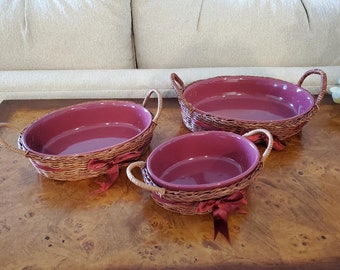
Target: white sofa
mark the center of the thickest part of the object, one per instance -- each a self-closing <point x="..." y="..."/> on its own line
<point x="123" y="48"/>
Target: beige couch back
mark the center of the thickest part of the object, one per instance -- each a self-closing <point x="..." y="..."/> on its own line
<point x="97" y="34"/>
<point x="58" y="34"/>
<point x="252" y="33"/>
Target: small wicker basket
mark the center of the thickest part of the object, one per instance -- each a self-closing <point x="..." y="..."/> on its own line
<point x="186" y="202"/>
<point x="198" y="120"/>
<point x="218" y="201"/>
<point x="76" y="167"/>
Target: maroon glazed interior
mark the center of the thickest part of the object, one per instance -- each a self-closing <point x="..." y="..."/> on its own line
<point x="86" y="127"/>
<point x="249" y="98"/>
<point x="202" y="160"/>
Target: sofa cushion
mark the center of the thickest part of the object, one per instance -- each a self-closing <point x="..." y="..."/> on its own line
<point x="214" y="33"/>
<point x="59" y="34"/>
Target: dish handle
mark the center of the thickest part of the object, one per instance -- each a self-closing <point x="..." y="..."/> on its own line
<point x="323" y="83"/>
<point x="7" y="145"/>
<point x="159" y="104"/>
<point x="269" y="143"/>
<point x="139" y="183"/>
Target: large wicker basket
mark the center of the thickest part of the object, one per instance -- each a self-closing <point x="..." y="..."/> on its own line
<point x="197" y="120"/>
<point x="77" y="166"/>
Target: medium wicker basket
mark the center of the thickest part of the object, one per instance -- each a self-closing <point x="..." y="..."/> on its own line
<point x="198" y="120"/>
<point x="76" y="167"/>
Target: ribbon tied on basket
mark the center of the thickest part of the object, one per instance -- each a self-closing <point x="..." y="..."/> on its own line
<point x="112" y="169"/>
<point x="221" y="209"/>
<point x="259" y="137"/>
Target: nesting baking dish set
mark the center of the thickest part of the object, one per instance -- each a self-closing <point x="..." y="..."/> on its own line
<point x="207" y="170"/>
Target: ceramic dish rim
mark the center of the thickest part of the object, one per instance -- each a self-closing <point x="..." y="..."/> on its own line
<point x="306" y="92"/>
<point x="26" y="130"/>
<point x="226" y="182"/>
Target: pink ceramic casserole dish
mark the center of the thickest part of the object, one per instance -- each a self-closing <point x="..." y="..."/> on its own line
<point x="201" y="161"/>
<point x="88" y="139"/>
<point x="243" y="103"/>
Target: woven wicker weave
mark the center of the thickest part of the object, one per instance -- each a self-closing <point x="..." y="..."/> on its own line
<point x="186" y="202"/>
<point x="75" y="167"/>
<point x="197" y="120"/>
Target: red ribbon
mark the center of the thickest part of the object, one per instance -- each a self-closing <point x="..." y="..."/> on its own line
<point x="221" y="209"/>
<point x="112" y="169"/>
<point x="277" y="144"/>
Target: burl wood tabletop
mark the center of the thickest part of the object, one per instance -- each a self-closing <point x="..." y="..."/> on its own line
<point x="292" y="219"/>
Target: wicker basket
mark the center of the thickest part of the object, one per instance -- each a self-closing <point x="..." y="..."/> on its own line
<point x="186" y="202"/>
<point x="76" y="167"/>
<point x="197" y="120"/>
<point x="219" y="201"/>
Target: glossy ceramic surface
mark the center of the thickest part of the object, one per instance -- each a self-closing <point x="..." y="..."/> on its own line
<point x="86" y="127"/>
<point x="249" y="98"/>
<point x="202" y="160"/>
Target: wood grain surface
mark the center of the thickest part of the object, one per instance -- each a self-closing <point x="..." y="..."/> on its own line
<point x="292" y="220"/>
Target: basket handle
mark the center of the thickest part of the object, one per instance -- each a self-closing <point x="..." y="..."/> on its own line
<point x="159" y="103"/>
<point x="179" y="87"/>
<point x="8" y="146"/>
<point x="177" y="83"/>
<point x="323" y="83"/>
<point x="269" y="144"/>
<point x="139" y="183"/>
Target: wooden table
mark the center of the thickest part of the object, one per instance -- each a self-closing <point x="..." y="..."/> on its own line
<point x="293" y="219"/>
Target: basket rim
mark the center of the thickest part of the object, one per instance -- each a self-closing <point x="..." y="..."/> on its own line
<point x="278" y="122"/>
<point x="90" y="154"/>
<point x="183" y="196"/>
<point x="253" y="122"/>
<point x="193" y="108"/>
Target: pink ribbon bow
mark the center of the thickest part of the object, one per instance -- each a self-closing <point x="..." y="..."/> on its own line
<point x="220" y="210"/>
<point x="112" y="169"/>
<point x="277" y="145"/>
